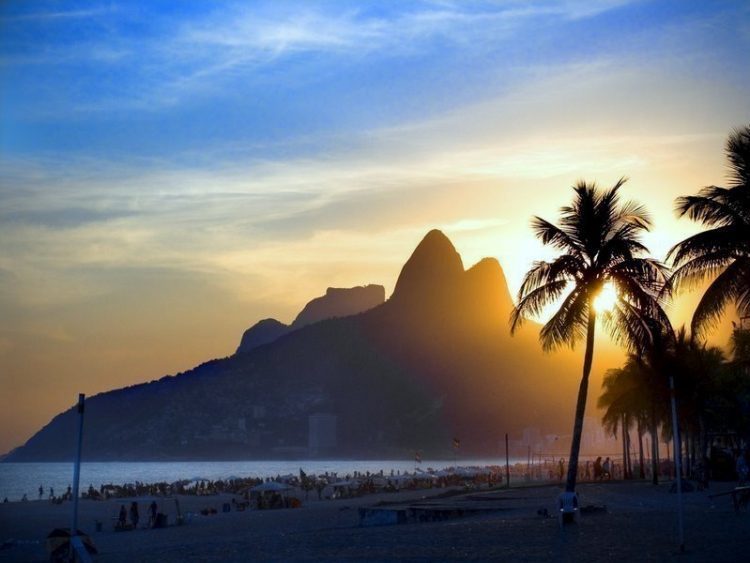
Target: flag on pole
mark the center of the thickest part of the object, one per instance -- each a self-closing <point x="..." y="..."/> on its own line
<point x="456" y="443"/>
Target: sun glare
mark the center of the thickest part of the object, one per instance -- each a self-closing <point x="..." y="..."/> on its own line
<point x="606" y="299"/>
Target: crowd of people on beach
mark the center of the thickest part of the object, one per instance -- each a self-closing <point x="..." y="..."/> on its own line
<point x="332" y="485"/>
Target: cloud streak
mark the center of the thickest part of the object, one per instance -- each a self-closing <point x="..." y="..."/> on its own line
<point x="174" y="63"/>
<point x="233" y="218"/>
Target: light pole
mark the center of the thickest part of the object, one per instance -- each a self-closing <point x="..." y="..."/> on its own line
<point x="75" y="543"/>
<point x="677" y="463"/>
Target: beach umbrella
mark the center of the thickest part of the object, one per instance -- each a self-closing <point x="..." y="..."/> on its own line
<point x="270" y="486"/>
<point x="346" y="484"/>
<point x="58" y="543"/>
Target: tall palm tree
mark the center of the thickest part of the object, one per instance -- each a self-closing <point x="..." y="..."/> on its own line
<point x="723" y="251"/>
<point x="599" y="240"/>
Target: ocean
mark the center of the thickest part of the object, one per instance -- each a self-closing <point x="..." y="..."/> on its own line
<point x="17" y="479"/>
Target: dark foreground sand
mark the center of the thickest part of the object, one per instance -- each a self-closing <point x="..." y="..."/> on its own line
<point x="639" y="525"/>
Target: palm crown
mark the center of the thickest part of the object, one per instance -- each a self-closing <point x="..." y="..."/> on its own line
<point x="599" y="240"/>
<point x="722" y="252"/>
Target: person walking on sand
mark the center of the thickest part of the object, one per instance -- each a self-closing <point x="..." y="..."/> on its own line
<point x="41" y="492"/>
<point x="606" y="469"/>
<point x="122" y="517"/>
<point x="134" y="514"/>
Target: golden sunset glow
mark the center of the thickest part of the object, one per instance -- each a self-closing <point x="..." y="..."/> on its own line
<point x="149" y="214"/>
<point x="607" y="298"/>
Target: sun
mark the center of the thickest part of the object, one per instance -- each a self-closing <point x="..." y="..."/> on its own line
<point x="607" y="298"/>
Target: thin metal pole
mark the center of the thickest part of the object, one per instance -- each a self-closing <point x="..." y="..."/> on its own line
<point x="77" y="466"/>
<point x="507" y="463"/>
<point x="677" y="463"/>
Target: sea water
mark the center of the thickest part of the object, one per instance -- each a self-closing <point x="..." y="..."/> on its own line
<point x="17" y="479"/>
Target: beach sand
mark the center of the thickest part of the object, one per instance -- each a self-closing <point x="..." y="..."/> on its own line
<point x="640" y="525"/>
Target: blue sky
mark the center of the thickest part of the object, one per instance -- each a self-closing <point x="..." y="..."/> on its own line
<point x="163" y="80"/>
<point x="171" y="172"/>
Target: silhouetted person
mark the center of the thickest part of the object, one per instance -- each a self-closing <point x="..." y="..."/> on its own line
<point x="152" y="513"/>
<point x="41" y="492"/>
<point x="742" y="468"/>
<point x="122" y="517"/>
<point x="51" y="492"/>
<point x="704" y="473"/>
<point x="560" y="469"/>
<point x="134" y="514"/>
<point x="607" y="469"/>
<point x="598" y="468"/>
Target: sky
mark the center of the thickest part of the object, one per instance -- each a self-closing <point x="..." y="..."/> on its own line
<point x="173" y="172"/>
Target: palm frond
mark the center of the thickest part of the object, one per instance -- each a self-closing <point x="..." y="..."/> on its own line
<point x="730" y="240"/>
<point x="555" y="236"/>
<point x="738" y="154"/>
<point x="733" y="284"/>
<point x="713" y="206"/>
<point x="569" y="322"/>
<point x="534" y="302"/>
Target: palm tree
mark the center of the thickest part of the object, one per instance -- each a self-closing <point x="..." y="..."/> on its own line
<point x="626" y="398"/>
<point x="599" y="240"/>
<point x="696" y="369"/>
<point x="723" y="251"/>
<point x="617" y="401"/>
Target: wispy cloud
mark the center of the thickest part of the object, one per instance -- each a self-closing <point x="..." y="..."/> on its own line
<point x="56" y="15"/>
<point x="198" y="56"/>
<point x="310" y="217"/>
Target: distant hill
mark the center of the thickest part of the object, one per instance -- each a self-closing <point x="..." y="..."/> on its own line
<point x="337" y="302"/>
<point x="433" y="362"/>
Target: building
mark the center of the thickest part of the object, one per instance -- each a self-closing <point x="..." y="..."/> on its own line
<point x="321" y="436"/>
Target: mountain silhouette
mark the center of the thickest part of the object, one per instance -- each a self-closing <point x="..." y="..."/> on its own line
<point x="337" y="302"/>
<point x="432" y="274"/>
<point x="261" y="333"/>
<point x="434" y="361"/>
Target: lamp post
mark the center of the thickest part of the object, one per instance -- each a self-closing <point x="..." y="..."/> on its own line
<point x="677" y="463"/>
<point x="74" y="543"/>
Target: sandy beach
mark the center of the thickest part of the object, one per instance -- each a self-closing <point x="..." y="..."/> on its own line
<point x="639" y="524"/>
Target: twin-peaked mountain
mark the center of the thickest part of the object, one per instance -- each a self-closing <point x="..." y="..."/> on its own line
<point x="353" y="375"/>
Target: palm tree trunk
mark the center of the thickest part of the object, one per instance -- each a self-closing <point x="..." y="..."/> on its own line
<point x="641" y="468"/>
<point x="703" y="442"/>
<point x="654" y="447"/>
<point x="624" y="434"/>
<point x="575" y="445"/>
<point x="627" y="441"/>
